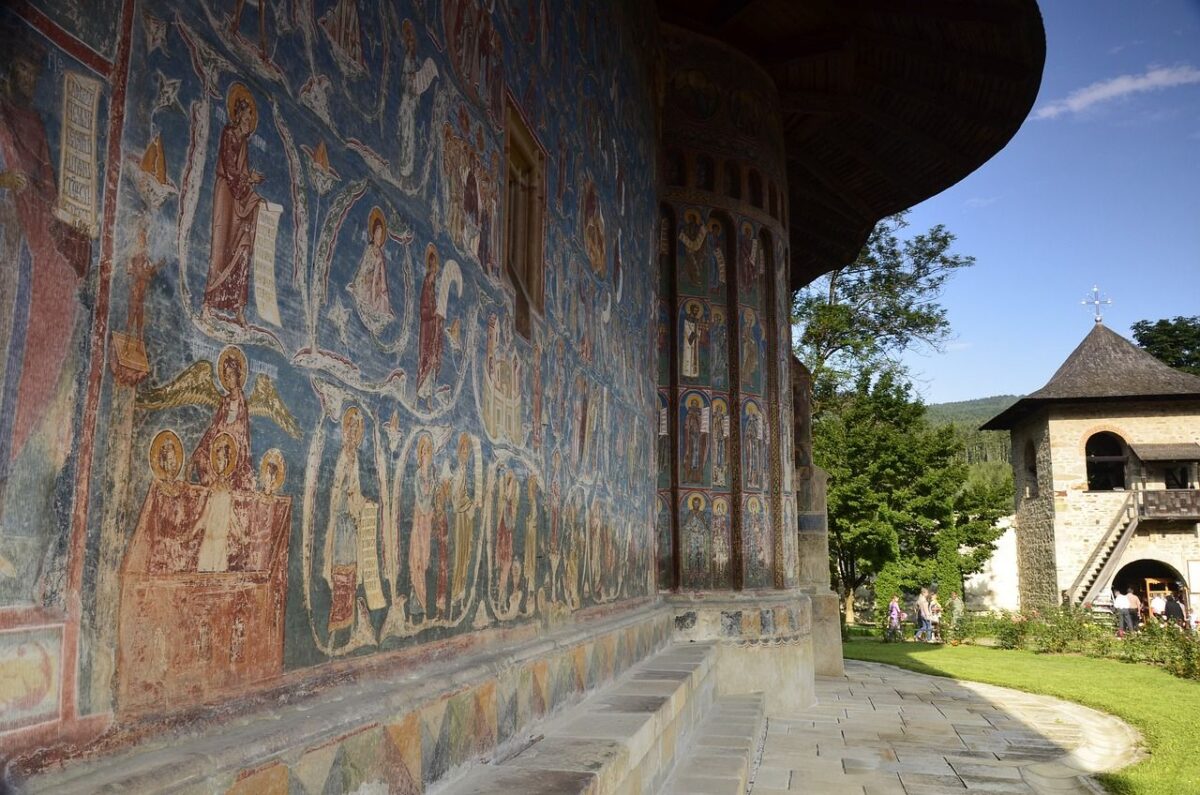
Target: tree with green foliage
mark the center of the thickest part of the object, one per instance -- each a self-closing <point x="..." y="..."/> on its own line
<point x="861" y="317"/>
<point x="900" y="504"/>
<point x="1175" y="342"/>
<point x="893" y="480"/>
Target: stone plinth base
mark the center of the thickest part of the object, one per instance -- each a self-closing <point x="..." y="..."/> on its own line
<point x="827" y="633"/>
<point x="764" y="643"/>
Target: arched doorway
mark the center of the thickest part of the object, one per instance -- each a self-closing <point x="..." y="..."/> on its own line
<point x="1145" y="577"/>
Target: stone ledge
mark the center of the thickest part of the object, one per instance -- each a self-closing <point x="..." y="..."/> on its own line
<point x="723" y="754"/>
<point x="623" y="739"/>
<point x="488" y="699"/>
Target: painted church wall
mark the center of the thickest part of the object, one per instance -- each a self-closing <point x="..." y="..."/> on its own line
<point x="266" y="403"/>
<point x="724" y="391"/>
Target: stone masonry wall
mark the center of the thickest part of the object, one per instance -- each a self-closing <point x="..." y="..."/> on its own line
<point x="1035" y="516"/>
<point x="1081" y="517"/>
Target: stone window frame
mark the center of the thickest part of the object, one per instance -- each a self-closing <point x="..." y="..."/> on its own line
<point x="1029" y="466"/>
<point x="524" y="218"/>
<point x="1122" y="437"/>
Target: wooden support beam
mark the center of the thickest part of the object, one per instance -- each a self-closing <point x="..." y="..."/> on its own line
<point x="832" y="184"/>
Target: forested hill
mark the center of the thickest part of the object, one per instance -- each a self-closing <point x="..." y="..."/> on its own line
<point x="968" y="415"/>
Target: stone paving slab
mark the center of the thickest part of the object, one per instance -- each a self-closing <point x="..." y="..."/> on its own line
<point x="880" y="730"/>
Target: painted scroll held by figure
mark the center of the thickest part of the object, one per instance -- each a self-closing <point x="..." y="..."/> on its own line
<point x="369" y="288"/>
<point x="204" y="581"/>
<point x="235" y="210"/>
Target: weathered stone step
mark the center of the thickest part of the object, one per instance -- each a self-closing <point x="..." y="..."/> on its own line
<point x="722" y="754"/>
<point x="622" y="740"/>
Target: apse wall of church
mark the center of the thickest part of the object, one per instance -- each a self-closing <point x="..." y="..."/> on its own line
<point x="724" y="315"/>
<point x="280" y="391"/>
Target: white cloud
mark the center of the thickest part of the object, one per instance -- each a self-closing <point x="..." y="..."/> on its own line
<point x="1124" y="46"/>
<point x="1155" y="79"/>
<point x="980" y="201"/>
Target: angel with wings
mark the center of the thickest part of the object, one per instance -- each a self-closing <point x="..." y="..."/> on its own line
<point x="197" y="386"/>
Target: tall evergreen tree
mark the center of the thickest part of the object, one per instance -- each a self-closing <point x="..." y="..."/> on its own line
<point x="1175" y="341"/>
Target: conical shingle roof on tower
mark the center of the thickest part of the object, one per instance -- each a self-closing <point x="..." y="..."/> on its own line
<point x="1105" y="367"/>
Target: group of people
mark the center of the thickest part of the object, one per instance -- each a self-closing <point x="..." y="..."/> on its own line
<point x="929" y="612"/>
<point x="1131" y="612"/>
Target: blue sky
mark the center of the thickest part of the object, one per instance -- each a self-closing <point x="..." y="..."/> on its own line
<point x="1100" y="186"/>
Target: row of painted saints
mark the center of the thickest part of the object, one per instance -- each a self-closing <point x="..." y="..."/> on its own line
<point x="705" y="424"/>
<point x="704" y="532"/>
<point x="207" y="527"/>
<point x="702" y="251"/>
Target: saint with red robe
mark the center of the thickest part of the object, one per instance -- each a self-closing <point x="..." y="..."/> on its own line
<point x="432" y="323"/>
<point x="234" y="211"/>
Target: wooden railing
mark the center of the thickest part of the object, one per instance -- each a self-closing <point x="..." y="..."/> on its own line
<point x="1169" y="504"/>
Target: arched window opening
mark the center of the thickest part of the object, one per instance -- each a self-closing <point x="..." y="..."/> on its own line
<point x="705" y="175"/>
<point x="1031" y="471"/>
<point x="1106" y="458"/>
<point x="756" y="189"/>
<point x="733" y="180"/>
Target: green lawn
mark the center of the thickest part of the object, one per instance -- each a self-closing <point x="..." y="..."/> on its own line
<point x="1164" y="708"/>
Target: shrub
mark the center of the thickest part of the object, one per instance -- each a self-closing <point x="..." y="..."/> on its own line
<point x="1074" y="630"/>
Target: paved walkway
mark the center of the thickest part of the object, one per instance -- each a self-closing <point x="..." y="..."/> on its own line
<point x="884" y="731"/>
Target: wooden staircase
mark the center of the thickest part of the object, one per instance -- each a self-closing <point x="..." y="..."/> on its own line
<point x="1101" y="565"/>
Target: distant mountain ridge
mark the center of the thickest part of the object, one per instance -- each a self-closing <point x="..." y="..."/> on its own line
<point x="982" y="447"/>
<point x="969" y="412"/>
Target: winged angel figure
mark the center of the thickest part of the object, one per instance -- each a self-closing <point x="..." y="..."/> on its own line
<point x="197" y="386"/>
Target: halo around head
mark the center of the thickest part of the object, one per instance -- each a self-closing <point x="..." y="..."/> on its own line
<point x="375" y="218"/>
<point x="238" y="92"/>
<point x="231" y="352"/>
<point x="272" y="470"/>
<point x="163" y="439"/>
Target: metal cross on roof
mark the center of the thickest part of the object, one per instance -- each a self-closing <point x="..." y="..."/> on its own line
<point x="1096" y="302"/>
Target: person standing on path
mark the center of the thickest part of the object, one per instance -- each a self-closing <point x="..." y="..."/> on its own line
<point x="923" y="616"/>
<point x="1135" y="609"/>
<point x="1121" y="606"/>
<point x="935" y="619"/>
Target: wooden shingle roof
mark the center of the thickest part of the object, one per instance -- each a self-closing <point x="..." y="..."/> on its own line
<point x="884" y="102"/>
<point x="1104" y="367"/>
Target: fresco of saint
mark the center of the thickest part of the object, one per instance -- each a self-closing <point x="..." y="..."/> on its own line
<point x="694" y="530"/>
<point x="695" y="332"/>
<point x="432" y="324"/>
<point x="695" y="440"/>
<point x="232" y="418"/>
<point x="234" y="211"/>
<point x="341" y="536"/>
<point x="425" y="484"/>
<point x="216" y="521"/>
<point x="369" y="288"/>
<point x="694" y="237"/>
<point x="463" y="502"/>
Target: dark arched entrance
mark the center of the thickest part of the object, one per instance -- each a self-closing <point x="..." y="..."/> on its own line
<point x="1143" y="576"/>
